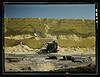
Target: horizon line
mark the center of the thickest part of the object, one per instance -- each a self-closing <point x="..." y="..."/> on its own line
<point x="46" y="18"/>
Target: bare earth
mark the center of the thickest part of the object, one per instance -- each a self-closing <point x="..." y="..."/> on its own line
<point x="20" y="64"/>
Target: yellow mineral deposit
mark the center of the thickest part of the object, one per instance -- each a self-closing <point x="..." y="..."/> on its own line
<point x="45" y="67"/>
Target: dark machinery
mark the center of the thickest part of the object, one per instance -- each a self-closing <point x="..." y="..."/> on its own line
<point x="50" y="46"/>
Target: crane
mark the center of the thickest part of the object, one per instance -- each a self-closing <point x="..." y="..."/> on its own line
<point x="50" y="46"/>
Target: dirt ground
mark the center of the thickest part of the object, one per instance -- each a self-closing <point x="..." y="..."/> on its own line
<point x="40" y="64"/>
<point x="22" y="64"/>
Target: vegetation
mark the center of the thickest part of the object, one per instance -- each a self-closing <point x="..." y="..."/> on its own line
<point x="85" y="42"/>
<point x="80" y="28"/>
<point x="32" y="43"/>
<point x="70" y="32"/>
<point x="18" y="26"/>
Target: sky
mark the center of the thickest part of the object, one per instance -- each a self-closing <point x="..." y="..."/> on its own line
<point x="56" y="11"/>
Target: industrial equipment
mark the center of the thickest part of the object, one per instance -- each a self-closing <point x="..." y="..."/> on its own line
<point x="50" y="46"/>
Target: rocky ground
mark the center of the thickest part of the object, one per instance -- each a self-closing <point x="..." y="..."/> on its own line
<point x="18" y="49"/>
<point x="41" y="63"/>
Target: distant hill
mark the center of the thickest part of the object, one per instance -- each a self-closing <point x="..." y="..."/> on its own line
<point x="80" y="27"/>
<point x="67" y="32"/>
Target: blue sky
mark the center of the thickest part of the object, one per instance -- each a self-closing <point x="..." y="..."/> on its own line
<point x="57" y="11"/>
